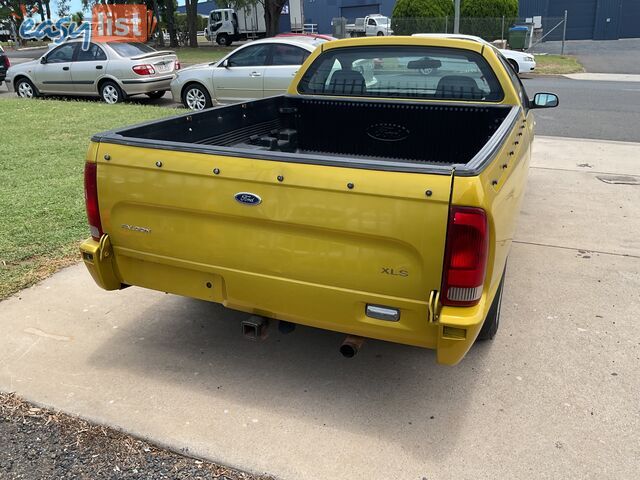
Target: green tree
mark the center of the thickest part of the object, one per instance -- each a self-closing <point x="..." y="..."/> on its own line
<point x="484" y="18"/>
<point x="63" y="8"/>
<point x="422" y="16"/>
<point x="488" y="8"/>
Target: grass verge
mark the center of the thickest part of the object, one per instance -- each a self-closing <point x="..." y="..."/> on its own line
<point x="42" y="152"/>
<point x="201" y="54"/>
<point x="557" y="64"/>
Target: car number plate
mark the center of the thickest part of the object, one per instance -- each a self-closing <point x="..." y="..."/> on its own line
<point x="163" y="67"/>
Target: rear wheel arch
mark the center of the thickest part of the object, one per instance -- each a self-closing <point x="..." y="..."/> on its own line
<point x="103" y="79"/>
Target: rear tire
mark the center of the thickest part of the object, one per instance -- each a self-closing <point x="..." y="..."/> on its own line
<point x="156" y="95"/>
<point x="223" y="40"/>
<point x="196" y="97"/>
<point x="380" y="34"/>
<point x="492" y="321"/>
<point x="514" y="64"/>
<point x="26" y="89"/>
<point x="111" y="93"/>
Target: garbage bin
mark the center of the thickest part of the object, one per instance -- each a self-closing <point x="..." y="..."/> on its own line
<point x="518" y="37"/>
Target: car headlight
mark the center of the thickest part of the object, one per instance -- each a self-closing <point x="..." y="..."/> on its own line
<point x="529" y="58"/>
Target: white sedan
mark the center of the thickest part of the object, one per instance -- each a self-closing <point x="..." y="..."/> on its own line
<point x="258" y="69"/>
<point x="520" y="61"/>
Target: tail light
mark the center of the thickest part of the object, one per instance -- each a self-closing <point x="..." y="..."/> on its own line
<point x="177" y="65"/>
<point x="465" y="257"/>
<point x="7" y="63"/>
<point x="91" y="199"/>
<point x="145" y="69"/>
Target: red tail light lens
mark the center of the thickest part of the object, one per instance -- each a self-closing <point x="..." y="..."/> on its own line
<point x="91" y="199"/>
<point x="145" y="69"/>
<point x="465" y="257"/>
<point x="7" y="63"/>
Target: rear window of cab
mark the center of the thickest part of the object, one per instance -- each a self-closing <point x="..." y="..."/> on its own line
<point x="402" y="71"/>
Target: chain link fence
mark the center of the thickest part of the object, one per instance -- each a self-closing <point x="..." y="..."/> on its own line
<point x="490" y="29"/>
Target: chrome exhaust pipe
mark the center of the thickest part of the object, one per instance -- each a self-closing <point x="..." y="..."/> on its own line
<point x="351" y="346"/>
<point x="255" y="328"/>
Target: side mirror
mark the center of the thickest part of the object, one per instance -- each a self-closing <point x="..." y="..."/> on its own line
<point x="545" y="100"/>
<point x="225" y="63"/>
<point x="43" y="60"/>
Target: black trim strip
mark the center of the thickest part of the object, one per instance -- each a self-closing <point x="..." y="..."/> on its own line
<point x="145" y="80"/>
<point x="71" y="82"/>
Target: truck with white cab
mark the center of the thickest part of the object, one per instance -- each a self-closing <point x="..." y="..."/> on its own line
<point x="228" y="25"/>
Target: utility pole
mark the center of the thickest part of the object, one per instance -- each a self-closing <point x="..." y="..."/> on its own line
<point x="456" y="18"/>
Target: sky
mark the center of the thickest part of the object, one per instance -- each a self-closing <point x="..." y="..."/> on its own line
<point x="76" y="5"/>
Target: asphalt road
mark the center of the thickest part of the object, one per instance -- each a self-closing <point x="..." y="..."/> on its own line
<point x="600" y="56"/>
<point x="589" y="109"/>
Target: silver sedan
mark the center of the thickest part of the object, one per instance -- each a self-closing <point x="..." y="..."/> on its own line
<point x="258" y="69"/>
<point x="111" y="70"/>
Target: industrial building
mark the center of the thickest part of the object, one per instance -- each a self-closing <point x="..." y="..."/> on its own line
<point x="590" y="19"/>
<point x="587" y="19"/>
<point x="317" y="12"/>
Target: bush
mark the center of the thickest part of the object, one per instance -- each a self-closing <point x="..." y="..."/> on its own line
<point x="422" y="8"/>
<point x="477" y="17"/>
<point x="421" y="16"/>
<point x="488" y="8"/>
<point x="484" y="17"/>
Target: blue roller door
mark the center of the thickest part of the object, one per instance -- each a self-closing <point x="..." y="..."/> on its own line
<point x="630" y="19"/>
<point x="581" y="16"/>
<point x="607" y="20"/>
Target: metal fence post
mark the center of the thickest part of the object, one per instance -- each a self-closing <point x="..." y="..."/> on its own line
<point x="446" y="24"/>
<point x="502" y="35"/>
<point x="456" y="18"/>
<point x="564" y="32"/>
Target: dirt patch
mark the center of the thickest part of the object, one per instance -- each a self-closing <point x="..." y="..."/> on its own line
<point x="37" y="443"/>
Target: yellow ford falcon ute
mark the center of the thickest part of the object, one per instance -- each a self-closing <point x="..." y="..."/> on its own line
<point x="378" y="197"/>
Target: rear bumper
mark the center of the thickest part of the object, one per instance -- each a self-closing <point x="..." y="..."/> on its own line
<point x="314" y="305"/>
<point x="145" y="85"/>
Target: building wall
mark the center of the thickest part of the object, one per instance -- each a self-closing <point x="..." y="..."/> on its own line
<point x="590" y="19"/>
<point x="323" y="11"/>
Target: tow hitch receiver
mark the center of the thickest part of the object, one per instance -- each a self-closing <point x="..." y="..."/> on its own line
<point x="255" y="328"/>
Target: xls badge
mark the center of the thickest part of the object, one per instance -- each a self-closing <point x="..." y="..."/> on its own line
<point x="248" y="198"/>
<point x="136" y="228"/>
<point x="394" y="272"/>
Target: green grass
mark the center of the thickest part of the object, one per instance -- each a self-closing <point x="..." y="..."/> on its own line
<point x="557" y="64"/>
<point x="42" y="152"/>
<point x="188" y="55"/>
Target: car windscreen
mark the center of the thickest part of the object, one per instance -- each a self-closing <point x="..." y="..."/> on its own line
<point x="402" y="71"/>
<point x="130" y="49"/>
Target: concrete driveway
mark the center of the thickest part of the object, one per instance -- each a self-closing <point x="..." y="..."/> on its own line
<point x="600" y="56"/>
<point x="554" y="396"/>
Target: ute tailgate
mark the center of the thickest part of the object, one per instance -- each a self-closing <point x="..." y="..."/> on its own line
<point x="382" y="239"/>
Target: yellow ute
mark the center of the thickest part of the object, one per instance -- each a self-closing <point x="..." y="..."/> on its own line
<point x="378" y="197"/>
